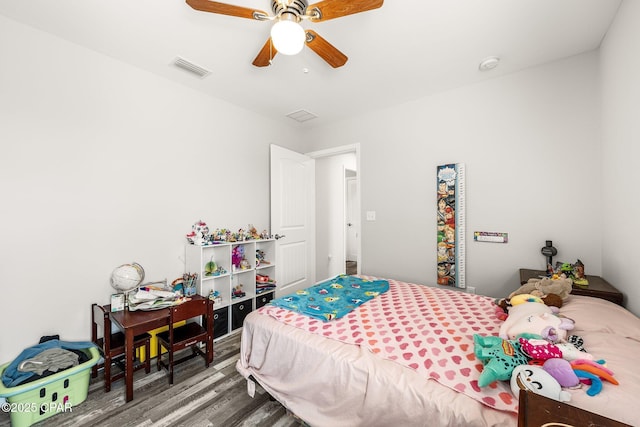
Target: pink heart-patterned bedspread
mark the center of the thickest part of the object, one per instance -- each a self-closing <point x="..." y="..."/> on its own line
<point x="423" y="328"/>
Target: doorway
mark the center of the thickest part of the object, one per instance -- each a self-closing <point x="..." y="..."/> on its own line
<point x="352" y="221"/>
<point x="337" y="205"/>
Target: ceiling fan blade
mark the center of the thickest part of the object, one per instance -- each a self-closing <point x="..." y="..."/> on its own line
<point x="330" y="9"/>
<point x="266" y="54"/>
<point x="325" y="50"/>
<point x="227" y="9"/>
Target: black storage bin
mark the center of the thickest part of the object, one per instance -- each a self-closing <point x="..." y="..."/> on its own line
<point x="239" y="311"/>
<point x="220" y="322"/>
<point x="263" y="299"/>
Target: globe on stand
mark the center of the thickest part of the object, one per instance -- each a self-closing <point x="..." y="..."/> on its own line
<point x="127" y="277"/>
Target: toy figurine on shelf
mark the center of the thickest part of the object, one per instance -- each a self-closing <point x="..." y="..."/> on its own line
<point x="550" y="270"/>
<point x="238" y="292"/>
<point x="260" y="258"/>
<point x="220" y="235"/>
<point x="579" y="277"/>
<point x="215" y="297"/>
<point x="252" y="233"/>
<point x="237" y="255"/>
<point x="566" y="269"/>
<point x="199" y="234"/>
<point x="575" y="272"/>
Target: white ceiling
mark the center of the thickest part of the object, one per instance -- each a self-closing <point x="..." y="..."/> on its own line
<point x="404" y="50"/>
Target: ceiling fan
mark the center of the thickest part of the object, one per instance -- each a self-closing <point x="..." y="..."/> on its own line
<point x="287" y="36"/>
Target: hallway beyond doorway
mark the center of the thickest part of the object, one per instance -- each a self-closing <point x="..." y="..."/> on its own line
<point x="351" y="267"/>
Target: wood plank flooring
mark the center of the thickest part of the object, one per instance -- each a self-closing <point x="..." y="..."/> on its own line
<point x="216" y="396"/>
<point x="352" y="267"/>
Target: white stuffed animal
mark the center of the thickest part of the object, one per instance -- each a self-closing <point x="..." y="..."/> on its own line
<point x="536" y="379"/>
<point x="535" y="318"/>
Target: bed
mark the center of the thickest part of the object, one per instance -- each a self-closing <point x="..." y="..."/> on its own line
<point x="376" y="366"/>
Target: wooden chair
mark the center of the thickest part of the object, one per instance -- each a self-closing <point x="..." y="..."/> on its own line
<point x="189" y="335"/>
<point x="112" y="346"/>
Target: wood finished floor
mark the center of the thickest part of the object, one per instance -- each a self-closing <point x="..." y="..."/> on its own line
<point x="216" y="396"/>
<point x="352" y="267"/>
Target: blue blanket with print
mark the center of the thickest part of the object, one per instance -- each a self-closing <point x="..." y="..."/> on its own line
<point x="332" y="298"/>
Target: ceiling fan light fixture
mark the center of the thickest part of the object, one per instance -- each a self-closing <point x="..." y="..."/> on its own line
<point x="287" y="35"/>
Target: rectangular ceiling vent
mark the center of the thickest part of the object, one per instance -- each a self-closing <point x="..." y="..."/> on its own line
<point x="301" y="116"/>
<point x="191" y="67"/>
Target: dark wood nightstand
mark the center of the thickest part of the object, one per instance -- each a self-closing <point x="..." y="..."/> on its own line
<point x="536" y="410"/>
<point x="598" y="287"/>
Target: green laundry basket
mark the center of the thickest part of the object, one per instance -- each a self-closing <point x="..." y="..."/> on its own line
<point x="35" y="401"/>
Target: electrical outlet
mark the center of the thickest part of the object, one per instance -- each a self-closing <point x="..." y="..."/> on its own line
<point x="471" y="289"/>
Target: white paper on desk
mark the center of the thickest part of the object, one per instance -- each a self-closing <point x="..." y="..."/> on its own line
<point x="151" y="300"/>
<point x="152" y="295"/>
<point x="151" y="305"/>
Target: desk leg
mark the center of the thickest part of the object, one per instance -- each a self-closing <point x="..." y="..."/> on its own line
<point x="128" y="363"/>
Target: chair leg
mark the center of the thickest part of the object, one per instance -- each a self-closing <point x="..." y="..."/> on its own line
<point x="107" y="374"/>
<point x="170" y="351"/>
<point x="147" y="355"/>
<point x="159" y="356"/>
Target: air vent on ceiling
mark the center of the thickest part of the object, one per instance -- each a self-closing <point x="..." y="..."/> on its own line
<point x="191" y="67"/>
<point x="301" y="116"/>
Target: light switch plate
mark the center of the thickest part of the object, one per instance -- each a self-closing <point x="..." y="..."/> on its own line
<point x="371" y="215"/>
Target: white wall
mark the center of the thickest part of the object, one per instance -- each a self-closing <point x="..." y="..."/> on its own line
<point x="530" y="142"/>
<point x="330" y="214"/>
<point x="104" y="164"/>
<point x="620" y="67"/>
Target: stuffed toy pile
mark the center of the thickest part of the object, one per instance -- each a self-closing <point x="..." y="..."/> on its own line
<point x="534" y="345"/>
<point x="549" y="291"/>
<point x="560" y="286"/>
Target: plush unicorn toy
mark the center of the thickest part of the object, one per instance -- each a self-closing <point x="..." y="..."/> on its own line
<point x="535" y="318"/>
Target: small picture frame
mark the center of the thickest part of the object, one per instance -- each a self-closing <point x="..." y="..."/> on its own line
<point x="117" y="302"/>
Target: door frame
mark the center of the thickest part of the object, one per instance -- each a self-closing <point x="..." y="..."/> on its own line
<point x="335" y="151"/>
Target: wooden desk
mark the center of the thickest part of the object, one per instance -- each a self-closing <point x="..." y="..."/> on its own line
<point x="598" y="287"/>
<point x="133" y="323"/>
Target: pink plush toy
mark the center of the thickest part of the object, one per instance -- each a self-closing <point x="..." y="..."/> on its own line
<point x="539" y="349"/>
<point x="535" y="318"/>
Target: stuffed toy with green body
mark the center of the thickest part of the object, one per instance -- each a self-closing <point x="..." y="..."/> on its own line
<point x="499" y="356"/>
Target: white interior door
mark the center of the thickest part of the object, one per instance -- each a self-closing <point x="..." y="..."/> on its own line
<point x="352" y="219"/>
<point x="293" y="216"/>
